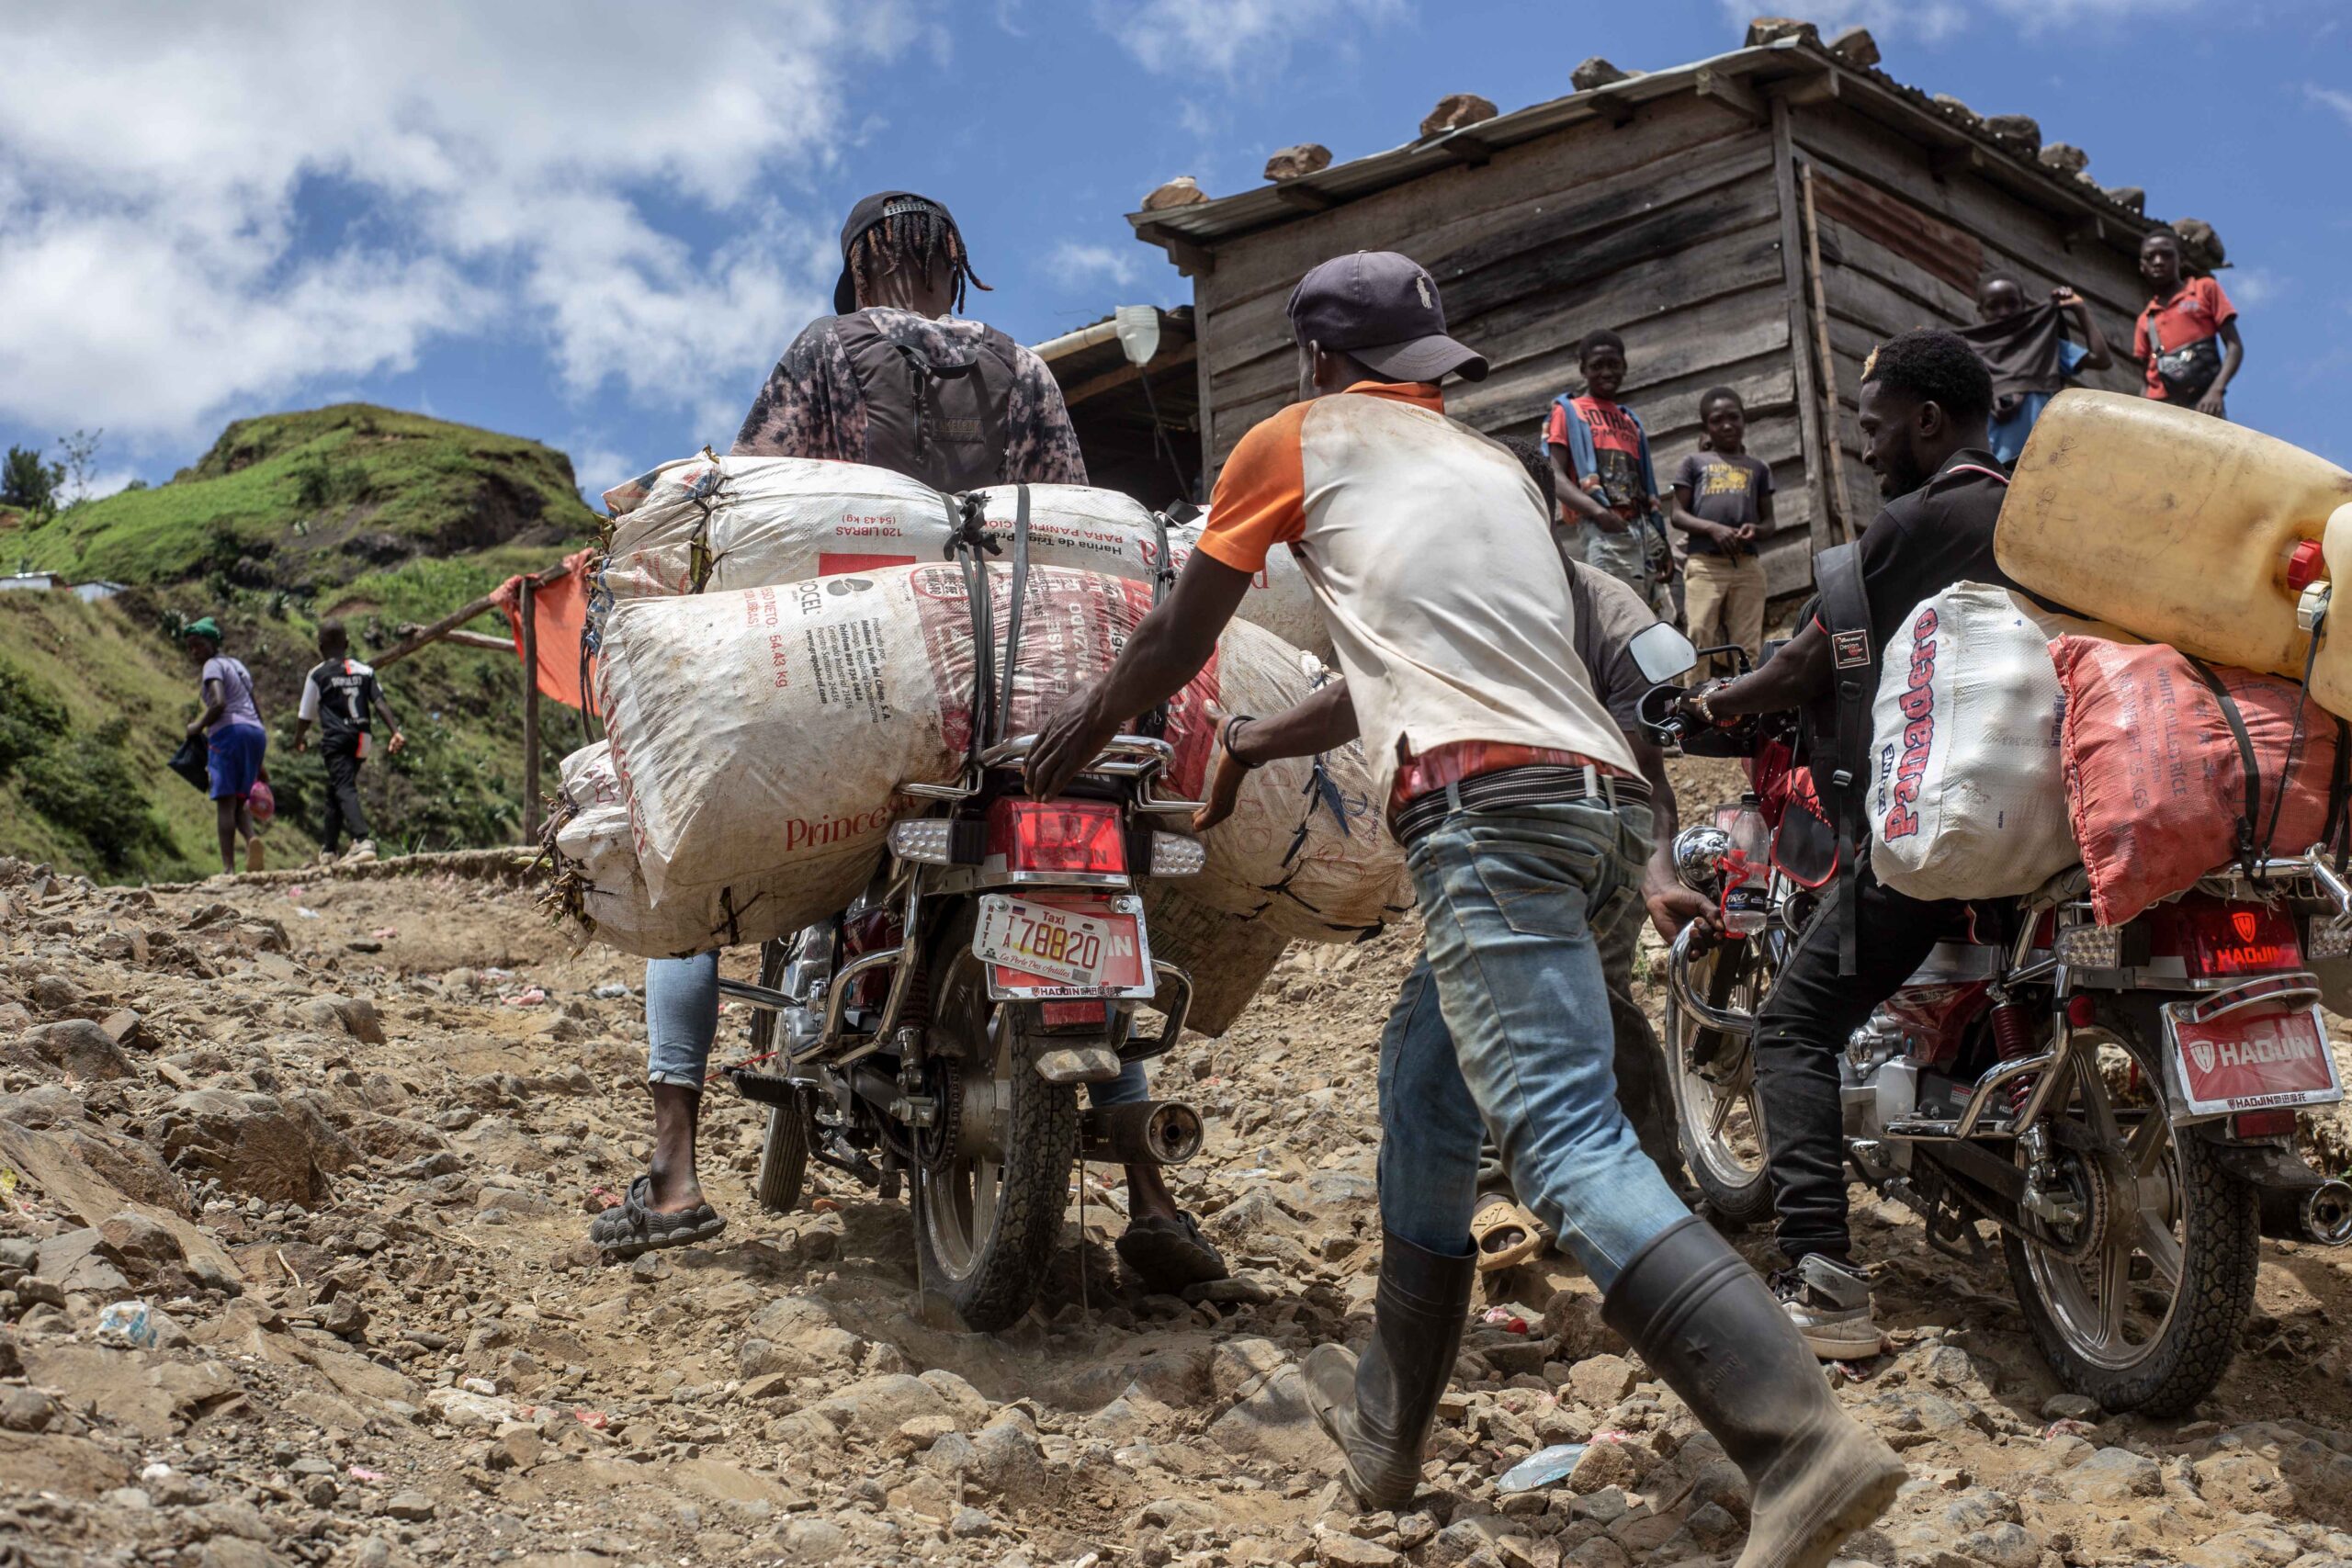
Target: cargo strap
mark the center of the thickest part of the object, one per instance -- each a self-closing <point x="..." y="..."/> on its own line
<point x="2250" y="857"/>
<point x="2252" y="851"/>
<point x="1846" y="615"/>
<point x="1163" y="577"/>
<point x="1020" y="598"/>
<point x="967" y="544"/>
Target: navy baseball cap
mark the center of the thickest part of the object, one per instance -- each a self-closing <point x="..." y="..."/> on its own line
<point x="866" y="215"/>
<point x="1382" y="308"/>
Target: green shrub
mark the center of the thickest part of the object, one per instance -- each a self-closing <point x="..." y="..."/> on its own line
<point x="30" y="717"/>
<point x="321" y="483"/>
<point x="93" y="789"/>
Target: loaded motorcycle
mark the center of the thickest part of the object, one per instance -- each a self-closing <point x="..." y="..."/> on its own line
<point x="933" y="1035"/>
<point x="2123" y="1104"/>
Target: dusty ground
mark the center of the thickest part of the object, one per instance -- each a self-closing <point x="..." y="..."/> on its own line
<point x="344" y="1136"/>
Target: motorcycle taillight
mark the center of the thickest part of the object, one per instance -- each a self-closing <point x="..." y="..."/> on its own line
<point x="2215" y="939"/>
<point x="1063" y="837"/>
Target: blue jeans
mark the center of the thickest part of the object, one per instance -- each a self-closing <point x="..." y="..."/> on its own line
<point x="1503" y="1027"/>
<point x="681" y="1020"/>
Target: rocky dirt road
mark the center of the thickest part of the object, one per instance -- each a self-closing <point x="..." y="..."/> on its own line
<point x="343" y="1137"/>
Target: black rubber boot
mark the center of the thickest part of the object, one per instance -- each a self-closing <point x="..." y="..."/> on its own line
<point x="1705" y="1324"/>
<point x="1378" y="1409"/>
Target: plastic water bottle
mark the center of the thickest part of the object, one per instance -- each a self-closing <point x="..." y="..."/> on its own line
<point x="1748" y="871"/>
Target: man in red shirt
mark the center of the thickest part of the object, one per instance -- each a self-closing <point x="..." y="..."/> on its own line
<point x="2187" y="337"/>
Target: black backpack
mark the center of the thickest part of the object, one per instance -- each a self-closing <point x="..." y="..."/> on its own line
<point x="942" y="422"/>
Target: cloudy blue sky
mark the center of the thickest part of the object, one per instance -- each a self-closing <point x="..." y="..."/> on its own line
<point x="596" y="223"/>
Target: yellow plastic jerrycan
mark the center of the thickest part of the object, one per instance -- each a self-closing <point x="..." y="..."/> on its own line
<point x="2184" y="529"/>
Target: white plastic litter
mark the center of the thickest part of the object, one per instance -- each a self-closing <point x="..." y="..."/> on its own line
<point x="1967" y="793"/>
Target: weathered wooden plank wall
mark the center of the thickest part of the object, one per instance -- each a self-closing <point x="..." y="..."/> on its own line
<point x="1871" y="180"/>
<point x="1665" y="227"/>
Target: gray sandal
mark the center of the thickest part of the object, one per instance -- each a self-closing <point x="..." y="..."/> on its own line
<point x="630" y="1227"/>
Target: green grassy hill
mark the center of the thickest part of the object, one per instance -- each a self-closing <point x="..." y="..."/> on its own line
<point x="383" y="517"/>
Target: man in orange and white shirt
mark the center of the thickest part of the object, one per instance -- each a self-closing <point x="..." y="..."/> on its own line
<point x="1431" y="557"/>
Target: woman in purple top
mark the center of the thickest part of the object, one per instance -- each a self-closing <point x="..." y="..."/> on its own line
<point x="234" y="740"/>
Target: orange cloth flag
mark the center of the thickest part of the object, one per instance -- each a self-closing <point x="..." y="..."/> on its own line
<point x="560" y="610"/>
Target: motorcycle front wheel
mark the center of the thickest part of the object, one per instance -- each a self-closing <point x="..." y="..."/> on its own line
<point x="1711" y="1075"/>
<point x="992" y="1173"/>
<point x="2146" y="1316"/>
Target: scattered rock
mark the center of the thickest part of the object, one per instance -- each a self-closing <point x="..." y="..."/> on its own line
<point x="1595" y="71"/>
<point x="1455" y="110"/>
<point x="1306" y="158"/>
<point x="2065" y="157"/>
<point x="1855" y="46"/>
<point x="254" y="1144"/>
<point x="1336" y="1549"/>
<point x="1601" y="1380"/>
<point x="2021" y="132"/>
<point x="414" y="1506"/>
<point x="2202" y="245"/>
<point x="1772" y="29"/>
<point x="1957" y="110"/>
<point x="80" y="1047"/>
<point x="343" y="1015"/>
<point x="1182" y="191"/>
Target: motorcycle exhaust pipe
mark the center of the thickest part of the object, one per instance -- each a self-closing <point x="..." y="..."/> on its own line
<point x="1149" y="1132"/>
<point x="2321" y="1214"/>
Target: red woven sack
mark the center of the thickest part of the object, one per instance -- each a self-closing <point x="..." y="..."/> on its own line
<point x="2156" y="780"/>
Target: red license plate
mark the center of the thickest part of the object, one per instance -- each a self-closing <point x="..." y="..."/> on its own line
<point x="1101" y="950"/>
<point x="2252" y="1059"/>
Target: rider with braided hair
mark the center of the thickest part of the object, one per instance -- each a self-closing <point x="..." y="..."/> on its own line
<point x="897" y="381"/>
<point x="894" y="380"/>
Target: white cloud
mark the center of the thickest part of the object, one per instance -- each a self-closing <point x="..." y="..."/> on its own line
<point x="2254" y="285"/>
<point x="1073" y="264"/>
<point x="2330" y="97"/>
<point x="163" y="171"/>
<point x="1234" y="38"/>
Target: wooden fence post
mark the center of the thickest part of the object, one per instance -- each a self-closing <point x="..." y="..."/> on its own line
<point x="530" y="620"/>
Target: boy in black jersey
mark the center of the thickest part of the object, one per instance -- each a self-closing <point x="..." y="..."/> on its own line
<point x="341" y="697"/>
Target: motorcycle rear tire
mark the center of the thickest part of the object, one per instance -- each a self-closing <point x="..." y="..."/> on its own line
<point x="990" y="1279"/>
<point x="1738" y="1203"/>
<point x="2220" y="1250"/>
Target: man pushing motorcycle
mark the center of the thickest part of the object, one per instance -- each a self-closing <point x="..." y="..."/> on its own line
<point x="1429" y="554"/>
<point x="1924" y="403"/>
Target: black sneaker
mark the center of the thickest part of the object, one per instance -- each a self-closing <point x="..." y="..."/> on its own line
<point x="1829" y="1301"/>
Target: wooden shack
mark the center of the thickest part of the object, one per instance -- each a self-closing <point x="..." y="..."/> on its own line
<point x="1760" y="219"/>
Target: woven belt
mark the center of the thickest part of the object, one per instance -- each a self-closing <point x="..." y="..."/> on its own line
<point x="1507" y="789"/>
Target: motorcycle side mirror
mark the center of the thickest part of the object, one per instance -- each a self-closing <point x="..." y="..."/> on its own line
<point x="1661" y="653"/>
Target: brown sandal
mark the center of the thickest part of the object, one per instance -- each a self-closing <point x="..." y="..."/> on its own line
<point x="1505" y="1234"/>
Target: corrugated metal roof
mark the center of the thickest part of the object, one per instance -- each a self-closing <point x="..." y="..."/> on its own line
<point x="1863" y="89"/>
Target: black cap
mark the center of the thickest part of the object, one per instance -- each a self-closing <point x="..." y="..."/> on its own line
<point x="865" y="215"/>
<point x="1383" y="308"/>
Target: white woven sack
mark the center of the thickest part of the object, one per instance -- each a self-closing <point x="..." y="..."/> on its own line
<point x="753" y="522"/>
<point x="1967" y="793"/>
<point x="767" y="731"/>
<point x="708" y="523"/>
<point x="593" y="849"/>
<point x="1278" y="597"/>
